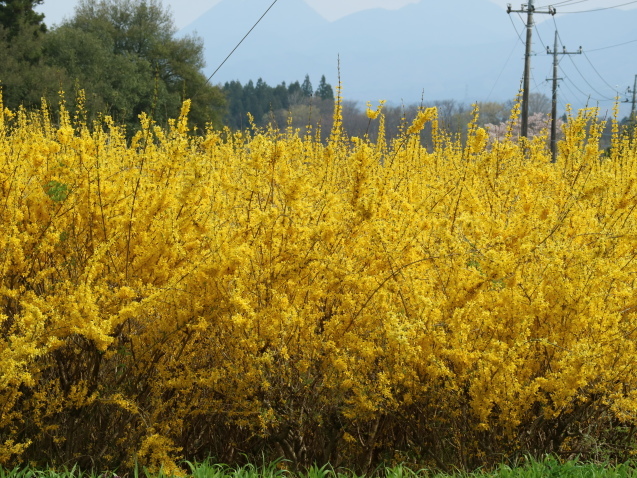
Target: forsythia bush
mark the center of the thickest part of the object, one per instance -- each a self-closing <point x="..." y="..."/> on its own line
<point x="260" y="292"/>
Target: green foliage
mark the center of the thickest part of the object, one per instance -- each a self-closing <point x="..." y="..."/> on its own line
<point x="124" y="53"/>
<point x="24" y="78"/>
<point x="265" y="102"/>
<point x="18" y="15"/>
<point x="56" y="190"/>
<point x="117" y="85"/>
<point x="306" y="87"/>
<point x="548" y="467"/>
<point x="324" y="90"/>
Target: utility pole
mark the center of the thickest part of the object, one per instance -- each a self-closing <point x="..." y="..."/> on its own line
<point x="554" y="102"/>
<point x="529" y="9"/>
<point x="632" y="111"/>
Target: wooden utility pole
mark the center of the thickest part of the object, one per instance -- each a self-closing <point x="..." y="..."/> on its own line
<point x="529" y="9"/>
<point x="632" y="111"/>
<point x="554" y="102"/>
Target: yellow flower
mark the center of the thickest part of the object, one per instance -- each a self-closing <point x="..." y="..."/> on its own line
<point x="373" y="114"/>
<point x="421" y="119"/>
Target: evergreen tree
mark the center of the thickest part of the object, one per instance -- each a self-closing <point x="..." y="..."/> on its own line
<point x="281" y="97"/>
<point x="265" y="102"/>
<point x="236" y="112"/>
<point x="324" y="90"/>
<point x="295" y="92"/>
<point x="306" y="87"/>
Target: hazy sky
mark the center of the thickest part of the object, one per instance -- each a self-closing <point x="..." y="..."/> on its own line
<point x="185" y="11"/>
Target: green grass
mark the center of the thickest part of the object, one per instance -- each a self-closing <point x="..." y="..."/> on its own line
<point x="547" y="468"/>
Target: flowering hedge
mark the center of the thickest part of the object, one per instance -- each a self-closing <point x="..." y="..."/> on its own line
<point x="262" y="292"/>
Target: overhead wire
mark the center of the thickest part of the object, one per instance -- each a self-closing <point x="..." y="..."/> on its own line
<point x="558" y="61"/>
<point x="612" y="46"/>
<point x="564" y="101"/>
<point x="506" y="63"/>
<point x="596" y="71"/>
<point x="573" y="94"/>
<point x="602" y="8"/>
<point x="519" y="38"/>
<point x="241" y="41"/>
<point x="587" y="82"/>
<point x="571" y="2"/>
<point x="516" y="29"/>
<point x="545" y="82"/>
<point x="588" y="95"/>
<point x="539" y="36"/>
<point x="566" y="3"/>
<point x="564" y="97"/>
<point x="523" y="42"/>
<point x="567" y="78"/>
<point x="604" y="97"/>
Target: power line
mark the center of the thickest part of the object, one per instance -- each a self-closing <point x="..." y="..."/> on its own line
<point x="573" y="94"/>
<point x="603" y="8"/>
<point x="612" y="46"/>
<point x="537" y="86"/>
<point x="516" y="30"/>
<point x="603" y="98"/>
<point x="564" y="3"/>
<point x="506" y="63"/>
<point x="239" y="44"/>
<point x="589" y="85"/>
<point x="583" y="77"/>
<point x="598" y="74"/>
<point x="589" y="61"/>
<point x="567" y="78"/>
<point x="538" y="35"/>
<point x="587" y="95"/>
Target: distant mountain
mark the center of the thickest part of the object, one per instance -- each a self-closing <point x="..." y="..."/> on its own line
<point x="467" y="50"/>
<point x="448" y="23"/>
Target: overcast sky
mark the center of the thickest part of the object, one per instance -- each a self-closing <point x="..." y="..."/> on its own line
<point x="185" y="11"/>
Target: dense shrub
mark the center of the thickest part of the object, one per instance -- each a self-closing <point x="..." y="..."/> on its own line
<point x="262" y="292"/>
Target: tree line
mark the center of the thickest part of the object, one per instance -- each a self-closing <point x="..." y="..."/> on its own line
<point x="262" y="100"/>
<point x="126" y="58"/>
